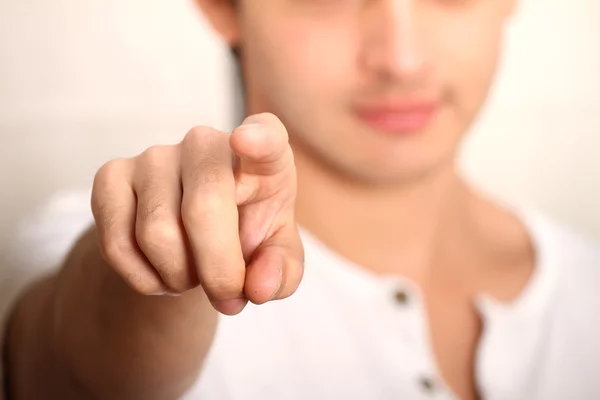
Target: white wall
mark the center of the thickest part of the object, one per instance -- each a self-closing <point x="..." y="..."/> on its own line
<point x="85" y="81"/>
<point x="539" y="138"/>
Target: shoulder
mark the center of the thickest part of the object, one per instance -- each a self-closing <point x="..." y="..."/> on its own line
<point x="571" y="262"/>
<point x="571" y="325"/>
<point x="575" y="254"/>
<point x="38" y="245"/>
<point x="40" y="242"/>
<point x="45" y="237"/>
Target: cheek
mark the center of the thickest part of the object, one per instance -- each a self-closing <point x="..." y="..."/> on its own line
<point x="479" y="67"/>
<point x="304" y="55"/>
<point x="469" y="59"/>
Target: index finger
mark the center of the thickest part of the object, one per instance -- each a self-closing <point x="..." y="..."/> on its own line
<point x="210" y="218"/>
<point x="265" y="162"/>
<point x="261" y="144"/>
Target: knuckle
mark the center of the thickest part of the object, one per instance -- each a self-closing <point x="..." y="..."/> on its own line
<point x="116" y="251"/>
<point x="113" y="167"/>
<point x="158" y="236"/>
<point x="145" y="286"/>
<point x="152" y="195"/>
<point x="207" y="151"/>
<point x="199" y="135"/>
<point x="104" y="217"/>
<point x="111" y="170"/>
<point x="176" y="277"/>
<point x="154" y="209"/>
<point x="203" y="208"/>
<point x="221" y="288"/>
<point x="156" y="155"/>
<point x="207" y="172"/>
<point x="103" y="207"/>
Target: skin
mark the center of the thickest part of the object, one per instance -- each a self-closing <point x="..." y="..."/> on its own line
<point x="167" y="220"/>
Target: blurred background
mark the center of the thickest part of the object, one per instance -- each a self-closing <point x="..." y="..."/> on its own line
<point x="85" y="81"/>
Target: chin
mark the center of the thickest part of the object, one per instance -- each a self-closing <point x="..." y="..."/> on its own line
<point x="397" y="177"/>
<point x="369" y="158"/>
<point x="392" y="172"/>
<point x="405" y="160"/>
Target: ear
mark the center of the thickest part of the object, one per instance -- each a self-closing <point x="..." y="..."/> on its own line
<point x="222" y="15"/>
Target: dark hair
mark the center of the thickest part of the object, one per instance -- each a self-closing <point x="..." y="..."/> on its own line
<point x="235" y="53"/>
<point x="239" y="88"/>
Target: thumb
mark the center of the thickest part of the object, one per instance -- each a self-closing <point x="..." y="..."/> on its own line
<point x="277" y="266"/>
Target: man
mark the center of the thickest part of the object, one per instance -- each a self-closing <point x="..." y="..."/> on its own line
<point x="339" y="194"/>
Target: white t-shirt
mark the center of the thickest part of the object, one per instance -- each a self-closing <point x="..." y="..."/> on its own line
<point x="347" y="334"/>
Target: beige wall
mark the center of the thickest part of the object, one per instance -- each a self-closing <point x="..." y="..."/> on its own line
<point x="84" y="81"/>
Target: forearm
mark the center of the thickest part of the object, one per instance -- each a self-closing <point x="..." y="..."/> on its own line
<point x="105" y="341"/>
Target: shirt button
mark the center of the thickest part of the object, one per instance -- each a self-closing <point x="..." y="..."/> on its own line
<point x="427" y="384"/>
<point x="401" y="297"/>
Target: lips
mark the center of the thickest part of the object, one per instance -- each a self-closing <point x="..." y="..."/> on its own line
<point x="400" y="117"/>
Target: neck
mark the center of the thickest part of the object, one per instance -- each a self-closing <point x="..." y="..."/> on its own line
<point x="380" y="228"/>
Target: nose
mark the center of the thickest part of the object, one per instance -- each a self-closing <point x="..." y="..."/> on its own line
<point x="392" y="45"/>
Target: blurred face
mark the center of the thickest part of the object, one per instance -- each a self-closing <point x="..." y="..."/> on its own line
<point x="379" y="90"/>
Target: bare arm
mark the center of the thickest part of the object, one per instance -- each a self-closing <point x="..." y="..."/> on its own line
<point x="86" y="334"/>
<point x="181" y="219"/>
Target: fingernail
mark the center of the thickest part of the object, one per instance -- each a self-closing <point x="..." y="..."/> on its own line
<point x="250" y="125"/>
<point x="251" y="129"/>
<point x="278" y="288"/>
<point x="165" y="293"/>
<point x="230" y="307"/>
<point x="252" y="120"/>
